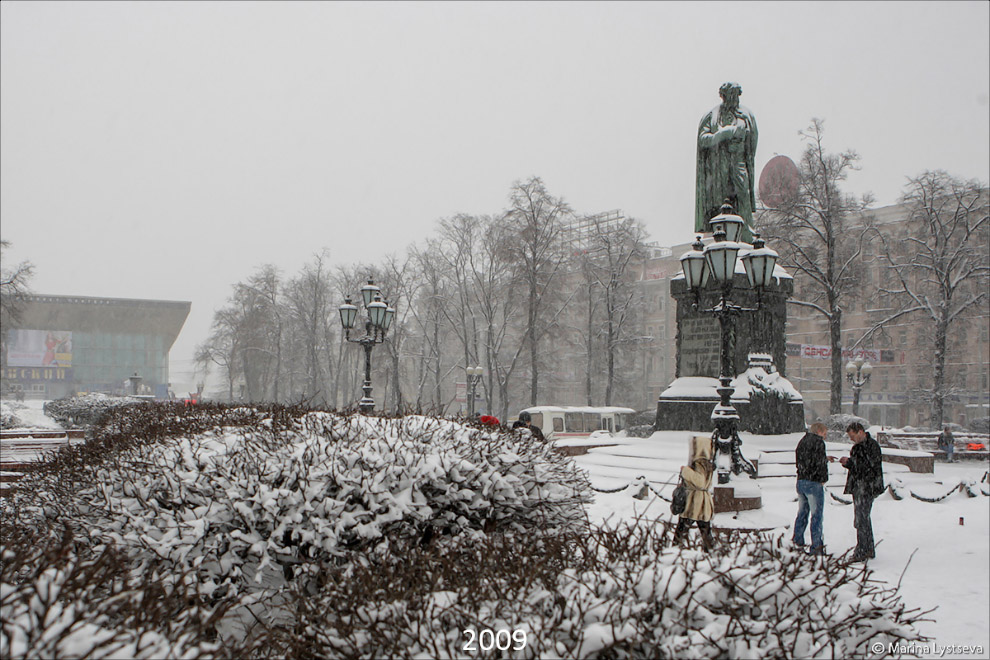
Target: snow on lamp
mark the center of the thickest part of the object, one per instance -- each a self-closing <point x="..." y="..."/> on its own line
<point x="727" y="222"/>
<point x="368" y="292"/>
<point x="376" y="312"/>
<point x="759" y="263"/>
<point x="694" y="266"/>
<point x="721" y="257"/>
<point x="348" y="314"/>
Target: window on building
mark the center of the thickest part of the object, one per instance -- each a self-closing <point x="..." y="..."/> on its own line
<point x="903" y="337"/>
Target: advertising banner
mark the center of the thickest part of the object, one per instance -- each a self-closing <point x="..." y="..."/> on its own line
<point x="37" y="374"/>
<point x="825" y="352"/>
<point x="39" y="348"/>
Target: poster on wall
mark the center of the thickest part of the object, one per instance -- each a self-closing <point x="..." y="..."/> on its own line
<point x="39" y="348"/>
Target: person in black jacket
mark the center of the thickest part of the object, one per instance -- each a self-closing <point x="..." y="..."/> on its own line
<point x="525" y="421"/>
<point x="864" y="482"/>
<point x="812" y="473"/>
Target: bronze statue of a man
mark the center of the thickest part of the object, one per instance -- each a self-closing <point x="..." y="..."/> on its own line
<point x="726" y="154"/>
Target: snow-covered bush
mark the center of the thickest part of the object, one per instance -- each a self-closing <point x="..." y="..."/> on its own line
<point x="85" y="410"/>
<point x="238" y="532"/>
<point x="243" y="503"/>
<point x="57" y="603"/>
<point x="625" y="592"/>
<point x="8" y="419"/>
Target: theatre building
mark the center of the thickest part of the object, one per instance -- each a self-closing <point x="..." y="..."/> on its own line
<point x="66" y="345"/>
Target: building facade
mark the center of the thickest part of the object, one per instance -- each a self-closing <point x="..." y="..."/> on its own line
<point x="900" y="352"/>
<point x="65" y="345"/>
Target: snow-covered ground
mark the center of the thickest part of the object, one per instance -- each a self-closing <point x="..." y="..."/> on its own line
<point x="941" y="564"/>
<point x="30" y="414"/>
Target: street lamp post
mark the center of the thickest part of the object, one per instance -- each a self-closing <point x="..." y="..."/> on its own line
<point x="473" y="376"/>
<point x="379" y="320"/>
<point x="858" y="373"/>
<point x="717" y="262"/>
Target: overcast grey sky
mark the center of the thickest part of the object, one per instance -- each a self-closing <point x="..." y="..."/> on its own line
<point x="165" y="150"/>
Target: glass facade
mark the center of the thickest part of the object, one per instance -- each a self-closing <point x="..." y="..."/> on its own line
<point x="103" y="360"/>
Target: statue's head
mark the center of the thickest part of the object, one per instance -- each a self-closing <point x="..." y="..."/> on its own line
<point x="730" y="93"/>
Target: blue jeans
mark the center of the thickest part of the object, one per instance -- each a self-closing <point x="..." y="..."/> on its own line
<point x="948" y="452"/>
<point x="811" y="499"/>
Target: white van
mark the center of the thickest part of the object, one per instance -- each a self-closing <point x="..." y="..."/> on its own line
<point x="558" y="422"/>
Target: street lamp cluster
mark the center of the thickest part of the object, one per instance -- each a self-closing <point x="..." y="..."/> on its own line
<point x="858" y="372"/>
<point x="717" y="261"/>
<point x="379" y="319"/>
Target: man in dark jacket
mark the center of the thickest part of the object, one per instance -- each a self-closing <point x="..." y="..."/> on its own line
<point x="864" y="482"/>
<point x="525" y="421"/>
<point x="812" y="473"/>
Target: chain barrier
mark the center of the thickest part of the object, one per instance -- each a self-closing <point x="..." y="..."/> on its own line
<point x="839" y="499"/>
<point x="963" y="487"/>
<point x="641" y="480"/>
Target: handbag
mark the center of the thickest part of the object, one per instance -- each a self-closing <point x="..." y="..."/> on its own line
<point x="678" y="502"/>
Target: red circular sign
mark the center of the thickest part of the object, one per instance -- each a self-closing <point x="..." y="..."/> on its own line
<point x="778" y="181"/>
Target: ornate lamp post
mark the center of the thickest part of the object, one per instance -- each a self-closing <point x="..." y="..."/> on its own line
<point x="717" y="262"/>
<point x="473" y="376"/>
<point x="379" y="320"/>
<point x="858" y="373"/>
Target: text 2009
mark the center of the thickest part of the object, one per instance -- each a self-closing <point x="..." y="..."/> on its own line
<point x="487" y="639"/>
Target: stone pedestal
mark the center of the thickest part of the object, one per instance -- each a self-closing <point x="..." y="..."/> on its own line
<point x="726" y="499"/>
<point x="688" y="403"/>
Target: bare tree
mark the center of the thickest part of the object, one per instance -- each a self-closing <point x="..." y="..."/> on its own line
<point x="221" y="348"/>
<point x="942" y="264"/>
<point x="430" y="318"/>
<point x="536" y="218"/>
<point x="242" y="335"/>
<point x="499" y="311"/>
<point x="13" y="285"/>
<point x="611" y="250"/>
<point x="815" y="233"/>
<point x="456" y="246"/>
<point x="310" y="301"/>
<point x="398" y="281"/>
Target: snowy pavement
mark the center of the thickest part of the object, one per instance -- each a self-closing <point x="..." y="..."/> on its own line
<point x="941" y="564"/>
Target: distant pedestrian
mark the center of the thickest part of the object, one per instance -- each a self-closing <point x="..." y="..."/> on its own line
<point x="525" y="421"/>
<point x="812" y="473"/>
<point x="864" y="482"/>
<point x="700" y="508"/>
<point x="947" y="442"/>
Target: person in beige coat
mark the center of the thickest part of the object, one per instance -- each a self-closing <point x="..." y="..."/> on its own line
<point x="700" y="508"/>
